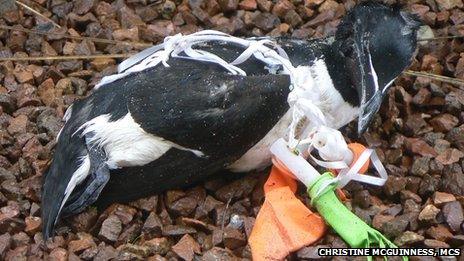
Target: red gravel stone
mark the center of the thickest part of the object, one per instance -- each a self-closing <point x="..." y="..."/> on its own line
<point x="32" y="225"/>
<point x="186" y="248"/>
<point x="84" y="242"/>
<point x="58" y="254"/>
<point x="248" y="5"/>
<point x="444" y="122"/>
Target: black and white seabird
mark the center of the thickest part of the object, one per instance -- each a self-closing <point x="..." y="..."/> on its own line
<point x="159" y="127"/>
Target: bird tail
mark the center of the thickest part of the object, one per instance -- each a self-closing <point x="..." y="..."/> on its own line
<point x="69" y="167"/>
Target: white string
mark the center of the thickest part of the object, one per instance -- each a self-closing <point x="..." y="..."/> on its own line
<point x="347" y="174"/>
<point x="265" y="50"/>
<point x="333" y="148"/>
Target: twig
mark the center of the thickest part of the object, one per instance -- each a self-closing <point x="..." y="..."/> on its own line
<point x="440" y="38"/>
<point x="37" y="13"/>
<point x="437" y="77"/>
<point x="156" y="2"/>
<point x="97" y="40"/>
<point x="223" y="220"/>
<point x="68" y="57"/>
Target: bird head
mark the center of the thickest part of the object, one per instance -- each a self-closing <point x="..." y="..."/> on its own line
<point x="378" y="43"/>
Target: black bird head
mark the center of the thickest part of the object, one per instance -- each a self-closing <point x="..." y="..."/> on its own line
<point x="378" y="43"/>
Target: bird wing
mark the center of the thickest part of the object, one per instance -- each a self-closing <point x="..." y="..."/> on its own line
<point x="201" y="107"/>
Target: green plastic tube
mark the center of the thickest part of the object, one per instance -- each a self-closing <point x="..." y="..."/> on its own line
<point x="350" y="227"/>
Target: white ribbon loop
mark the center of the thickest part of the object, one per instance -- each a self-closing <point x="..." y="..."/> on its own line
<point x="329" y="164"/>
<point x="263" y="49"/>
<point x="347" y="174"/>
<point x="333" y="149"/>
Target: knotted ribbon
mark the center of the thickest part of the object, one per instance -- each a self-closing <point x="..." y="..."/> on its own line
<point x="351" y="228"/>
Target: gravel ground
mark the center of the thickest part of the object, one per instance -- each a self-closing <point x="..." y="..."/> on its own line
<point x="419" y="133"/>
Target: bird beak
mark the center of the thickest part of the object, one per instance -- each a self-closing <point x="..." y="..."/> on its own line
<point x="368" y="110"/>
<point x="367" y="84"/>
